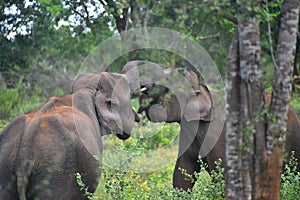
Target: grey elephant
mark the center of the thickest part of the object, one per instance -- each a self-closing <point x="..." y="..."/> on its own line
<point x="202" y="129"/>
<point x="42" y="150"/>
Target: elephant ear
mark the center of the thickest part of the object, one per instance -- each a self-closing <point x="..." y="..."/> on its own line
<point x="199" y="103"/>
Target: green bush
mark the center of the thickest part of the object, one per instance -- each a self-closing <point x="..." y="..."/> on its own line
<point x="10" y="99"/>
<point x="83" y="187"/>
<point x="21" y="99"/>
<point x="158" y="185"/>
<point x="290" y="186"/>
<point x="116" y="184"/>
<point x="295" y="103"/>
<point x="210" y="187"/>
<point x="3" y="124"/>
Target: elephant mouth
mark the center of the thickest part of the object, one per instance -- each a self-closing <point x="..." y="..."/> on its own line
<point x="123" y="136"/>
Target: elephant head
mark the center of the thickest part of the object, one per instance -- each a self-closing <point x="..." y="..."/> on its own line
<point x="109" y="95"/>
<point x="171" y="103"/>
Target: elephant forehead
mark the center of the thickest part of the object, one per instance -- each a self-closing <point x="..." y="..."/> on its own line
<point x="121" y="87"/>
<point x="192" y="78"/>
<point x="88" y="80"/>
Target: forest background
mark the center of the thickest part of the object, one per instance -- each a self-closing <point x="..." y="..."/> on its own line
<point x="42" y="44"/>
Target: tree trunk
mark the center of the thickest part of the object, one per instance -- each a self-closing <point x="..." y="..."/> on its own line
<point x="252" y="98"/>
<point x="253" y="162"/>
<point x="233" y="163"/>
<point x="269" y="169"/>
<point x="244" y="102"/>
<point x="120" y="19"/>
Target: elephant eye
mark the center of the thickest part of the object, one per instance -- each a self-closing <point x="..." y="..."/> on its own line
<point x="111" y="102"/>
<point x="197" y="92"/>
<point x="108" y="102"/>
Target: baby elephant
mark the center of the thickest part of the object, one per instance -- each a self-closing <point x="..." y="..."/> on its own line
<point x="42" y="150"/>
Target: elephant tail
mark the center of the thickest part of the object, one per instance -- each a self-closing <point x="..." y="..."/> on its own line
<point x="23" y="174"/>
<point x="24" y="164"/>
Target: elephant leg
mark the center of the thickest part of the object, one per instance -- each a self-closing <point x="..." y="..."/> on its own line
<point x="59" y="186"/>
<point x="218" y="152"/>
<point x="187" y="160"/>
<point x="190" y="165"/>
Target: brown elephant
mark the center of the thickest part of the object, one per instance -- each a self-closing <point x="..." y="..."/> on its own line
<point x="42" y="150"/>
<point x="202" y="129"/>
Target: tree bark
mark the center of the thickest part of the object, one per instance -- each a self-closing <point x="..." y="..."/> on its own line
<point x="252" y="98"/>
<point x="269" y="169"/>
<point x="254" y="146"/>
<point x="244" y="103"/>
<point x="233" y="177"/>
<point x="120" y="19"/>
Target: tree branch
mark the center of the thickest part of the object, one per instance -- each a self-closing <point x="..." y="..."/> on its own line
<point x="229" y="18"/>
<point x="121" y="22"/>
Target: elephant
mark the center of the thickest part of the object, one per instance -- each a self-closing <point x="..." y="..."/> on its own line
<point x="43" y="149"/>
<point x="202" y="129"/>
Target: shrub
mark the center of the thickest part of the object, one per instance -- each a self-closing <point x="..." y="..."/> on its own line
<point x="290" y="186"/>
<point x="15" y="101"/>
<point x="83" y="186"/>
<point x="158" y="185"/>
<point x="295" y="103"/>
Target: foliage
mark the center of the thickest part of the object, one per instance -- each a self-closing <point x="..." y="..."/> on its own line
<point x="83" y="186"/>
<point x="295" y="103"/>
<point x="59" y="34"/>
<point x="3" y="124"/>
<point x="213" y="187"/>
<point x="49" y="51"/>
<point x="157" y="185"/>
<point x="129" y="185"/>
<point x="148" y="149"/>
<point x="18" y="100"/>
<point x="290" y="186"/>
